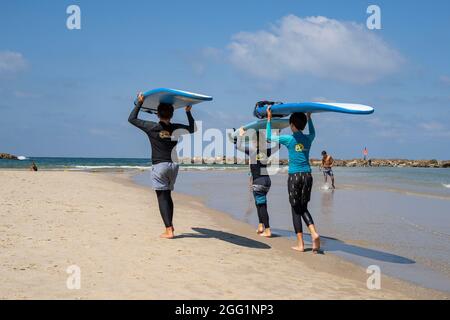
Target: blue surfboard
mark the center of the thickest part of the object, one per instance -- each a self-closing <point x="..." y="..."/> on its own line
<point x="177" y="98"/>
<point x="261" y="124"/>
<point x="284" y="109"/>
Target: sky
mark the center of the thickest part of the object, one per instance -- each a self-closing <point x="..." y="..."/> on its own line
<point x="68" y="93"/>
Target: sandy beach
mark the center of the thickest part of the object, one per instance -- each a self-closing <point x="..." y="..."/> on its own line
<point x="109" y="227"/>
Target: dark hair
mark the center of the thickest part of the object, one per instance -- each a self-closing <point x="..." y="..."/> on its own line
<point x="324" y="152"/>
<point x="299" y="120"/>
<point x="165" y="111"/>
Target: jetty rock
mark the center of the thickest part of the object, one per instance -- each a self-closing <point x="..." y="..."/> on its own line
<point x="349" y="163"/>
<point x="8" y="156"/>
<point x="386" y="163"/>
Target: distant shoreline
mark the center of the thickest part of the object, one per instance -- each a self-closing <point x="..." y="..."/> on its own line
<point x="387" y="163"/>
<point x="432" y="163"/>
<point x="10" y="161"/>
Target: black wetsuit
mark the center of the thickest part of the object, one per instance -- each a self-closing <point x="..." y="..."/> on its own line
<point x="160" y="134"/>
<point x="260" y="180"/>
<point x="162" y="144"/>
<point x="299" y="188"/>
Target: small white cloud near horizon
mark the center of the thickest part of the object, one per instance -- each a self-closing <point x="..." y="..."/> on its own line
<point x="435" y="129"/>
<point x="200" y="60"/>
<point x="316" y="46"/>
<point x="11" y="62"/>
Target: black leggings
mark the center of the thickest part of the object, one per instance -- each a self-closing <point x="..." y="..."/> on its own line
<point x="165" y="206"/>
<point x="263" y="215"/>
<point x="299" y="188"/>
<point x="299" y="212"/>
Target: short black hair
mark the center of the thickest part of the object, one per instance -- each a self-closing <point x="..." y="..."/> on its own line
<point x="299" y="120"/>
<point x="165" y="111"/>
<point x="324" y="152"/>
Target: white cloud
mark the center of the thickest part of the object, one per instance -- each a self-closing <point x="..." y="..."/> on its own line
<point x="101" y="132"/>
<point x="321" y="99"/>
<point x="11" y="62"/>
<point x="318" y="46"/>
<point x="432" y="126"/>
<point x="200" y="59"/>
<point x="435" y="129"/>
<point x="25" y="94"/>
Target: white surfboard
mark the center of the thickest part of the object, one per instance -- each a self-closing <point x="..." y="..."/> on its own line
<point x="177" y="98"/>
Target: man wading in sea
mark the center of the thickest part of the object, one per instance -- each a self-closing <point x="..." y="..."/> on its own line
<point x="164" y="170"/>
<point x="327" y="167"/>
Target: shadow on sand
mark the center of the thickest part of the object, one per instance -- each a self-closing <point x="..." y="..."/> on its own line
<point x="204" y="233"/>
<point x="331" y="244"/>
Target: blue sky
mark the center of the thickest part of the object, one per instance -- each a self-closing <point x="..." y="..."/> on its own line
<point x="69" y="92"/>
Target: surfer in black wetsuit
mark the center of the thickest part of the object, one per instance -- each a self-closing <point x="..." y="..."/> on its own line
<point x="260" y="178"/>
<point x="162" y="136"/>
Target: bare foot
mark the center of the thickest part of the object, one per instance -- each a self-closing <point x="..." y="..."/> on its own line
<point x="260" y="229"/>
<point x="298" y="248"/>
<point x="266" y="233"/>
<point x="168" y="234"/>
<point x="316" y="243"/>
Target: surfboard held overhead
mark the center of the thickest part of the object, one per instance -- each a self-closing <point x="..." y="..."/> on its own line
<point x="177" y="98"/>
<point x="284" y="109"/>
<point x="278" y="124"/>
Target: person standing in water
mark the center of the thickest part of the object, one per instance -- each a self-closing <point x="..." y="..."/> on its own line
<point x="327" y="167"/>
<point x="33" y="167"/>
<point x="260" y="178"/>
<point x="365" y="153"/>
<point x="164" y="170"/>
<point x="300" y="180"/>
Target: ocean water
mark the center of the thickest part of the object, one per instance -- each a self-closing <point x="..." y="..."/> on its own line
<point x="107" y="164"/>
<point x="395" y="218"/>
<point x="421" y="180"/>
<point x="76" y="163"/>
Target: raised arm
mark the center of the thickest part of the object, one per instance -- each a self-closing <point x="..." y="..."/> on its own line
<point x="191" y="127"/>
<point x="312" y="131"/>
<point x="133" y="118"/>
<point x="242" y="146"/>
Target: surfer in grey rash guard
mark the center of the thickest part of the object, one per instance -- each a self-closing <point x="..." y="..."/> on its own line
<point x="164" y="169"/>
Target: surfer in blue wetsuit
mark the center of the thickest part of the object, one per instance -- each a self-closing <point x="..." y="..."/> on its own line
<point x="300" y="179"/>
<point x="260" y="178"/>
<point x="164" y="169"/>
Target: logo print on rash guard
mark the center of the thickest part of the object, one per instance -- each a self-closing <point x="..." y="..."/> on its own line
<point x="299" y="147"/>
<point x="261" y="156"/>
<point x="164" y="134"/>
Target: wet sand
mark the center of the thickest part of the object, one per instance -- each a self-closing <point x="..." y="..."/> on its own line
<point x="109" y="227"/>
